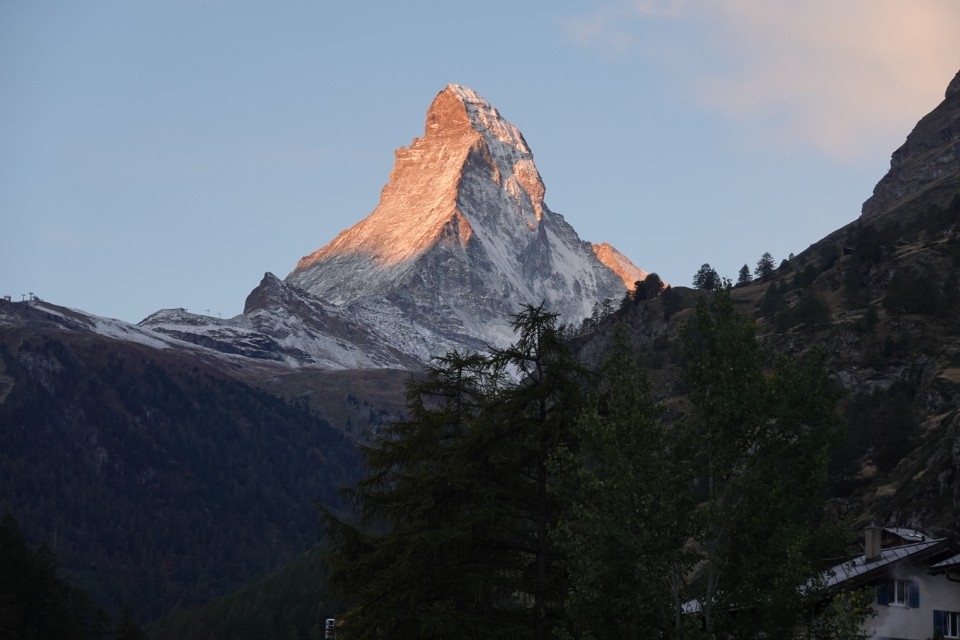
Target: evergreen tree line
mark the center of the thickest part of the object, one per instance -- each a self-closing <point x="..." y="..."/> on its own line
<point x="708" y="279"/>
<point x="527" y="497"/>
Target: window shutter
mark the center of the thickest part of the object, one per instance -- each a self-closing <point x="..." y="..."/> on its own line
<point x="883" y="593"/>
<point x="914" y="594"/>
<point x="937" y="622"/>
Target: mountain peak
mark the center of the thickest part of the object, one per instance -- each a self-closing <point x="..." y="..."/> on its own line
<point x="457" y="102"/>
<point x="461" y="239"/>
<point x="953" y="88"/>
<point x="928" y="162"/>
<point x="467" y="145"/>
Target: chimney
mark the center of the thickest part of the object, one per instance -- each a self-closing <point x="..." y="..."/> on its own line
<point x="872" y="543"/>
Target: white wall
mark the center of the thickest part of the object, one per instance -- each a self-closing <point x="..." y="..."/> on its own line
<point x="896" y="621"/>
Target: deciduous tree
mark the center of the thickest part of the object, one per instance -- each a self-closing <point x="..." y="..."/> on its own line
<point x="764" y="444"/>
<point x="629" y="509"/>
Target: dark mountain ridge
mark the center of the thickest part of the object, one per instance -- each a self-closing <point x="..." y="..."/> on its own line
<point x="158" y="480"/>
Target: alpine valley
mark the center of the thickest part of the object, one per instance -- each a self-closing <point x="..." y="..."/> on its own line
<point x="158" y="432"/>
<point x="169" y="463"/>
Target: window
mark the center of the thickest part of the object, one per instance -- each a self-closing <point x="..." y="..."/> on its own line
<point x="951" y="624"/>
<point x="947" y="623"/>
<point x="901" y="593"/>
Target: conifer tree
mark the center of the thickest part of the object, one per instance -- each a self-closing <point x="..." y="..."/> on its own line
<point x="744" y="276"/>
<point x="454" y="537"/>
<point x="127" y="627"/>
<point x="34" y="601"/>
<point x="706" y="278"/>
<point x="650" y="287"/>
<point x="765" y="266"/>
<point x="505" y="497"/>
<point x="537" y="414"/>
<point x="415" y="564"/>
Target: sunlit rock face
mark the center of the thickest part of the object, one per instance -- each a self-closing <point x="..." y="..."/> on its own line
<point x="928" y="162"/>
<point x="619" y="264"/>
<point x="461" y="239"/>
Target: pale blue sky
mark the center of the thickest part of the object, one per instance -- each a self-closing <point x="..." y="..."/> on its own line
<point x="168" y="153"/>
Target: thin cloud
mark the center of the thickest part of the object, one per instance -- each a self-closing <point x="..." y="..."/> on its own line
<point x="603" y="30"/>
<point x="660" y="7"/>
<point x="835" y="76"/>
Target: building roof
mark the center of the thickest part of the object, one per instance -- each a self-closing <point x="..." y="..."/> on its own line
<point x="953" y="562"/>
<point x="859" y="569"/>
<point x="908" y="535"/>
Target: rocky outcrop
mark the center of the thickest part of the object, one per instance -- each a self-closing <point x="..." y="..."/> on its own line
<point x="927" y="163"/>
<point x="619" y="264"/>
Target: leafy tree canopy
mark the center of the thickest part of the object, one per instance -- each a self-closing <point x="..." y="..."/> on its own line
<point x="764" y="442"/>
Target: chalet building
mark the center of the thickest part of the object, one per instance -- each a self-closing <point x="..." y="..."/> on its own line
<point x="917" y="582"/>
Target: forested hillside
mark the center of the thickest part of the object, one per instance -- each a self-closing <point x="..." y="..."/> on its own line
<point x="159" y="482"/>
<point x="881" y="298"/>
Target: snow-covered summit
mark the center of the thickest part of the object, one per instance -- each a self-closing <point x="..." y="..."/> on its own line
<point x="484" y="118"/>
<point x="508" y="149"/>
<point x="461" y="238"/>
<point x="464" y="138"/>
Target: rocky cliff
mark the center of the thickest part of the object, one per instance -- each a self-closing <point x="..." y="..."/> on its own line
<point x="927" y="164"/>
